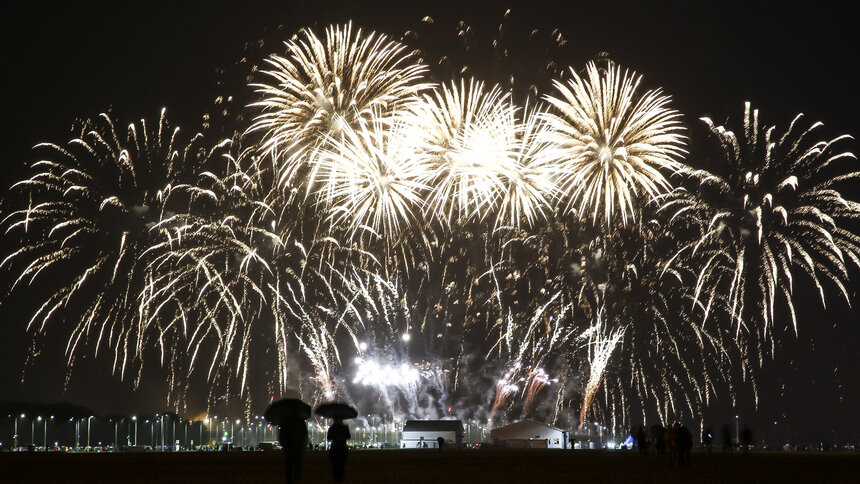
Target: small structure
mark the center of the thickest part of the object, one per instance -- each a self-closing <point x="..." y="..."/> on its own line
<point x="421" y="434"/>
<point x="530" y="434"/>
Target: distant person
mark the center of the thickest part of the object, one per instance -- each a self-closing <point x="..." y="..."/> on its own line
<point x="440" y="441"/>
<point x="642" y="440"/>
<point x="746" y="438"/>
<point x="659" y="433"/>
<point x="338" y="434"/>
<point x="684" y="439"/>
<point x="293" y="436"/>
<point x="708" y="439"/>
<point x="726" y="434"/>
<point x="672" y="443"/>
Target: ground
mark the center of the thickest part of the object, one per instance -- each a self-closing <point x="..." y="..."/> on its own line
<point x="416" y="466"/>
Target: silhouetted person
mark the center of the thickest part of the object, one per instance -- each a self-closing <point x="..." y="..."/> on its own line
<point x="293" y="435"/>
<point x="684" y="439"/>
<point x="708" y="439"/>
<point x="659" y="433"/>
<point x="642" y="440"/>
<point x="338" y="434"/>
<point x="746" y="438"/>
<point x="672" y="443"/>
<point x="440" y="441"/>
<point x="726" y="434"/>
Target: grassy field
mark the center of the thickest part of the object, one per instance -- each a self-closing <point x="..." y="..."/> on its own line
<point x="414" y="466"/>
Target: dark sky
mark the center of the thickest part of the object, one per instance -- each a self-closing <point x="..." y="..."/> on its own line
<point x="67" y="59"/>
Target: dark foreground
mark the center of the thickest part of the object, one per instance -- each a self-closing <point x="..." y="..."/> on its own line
<point x="405" y="466"/>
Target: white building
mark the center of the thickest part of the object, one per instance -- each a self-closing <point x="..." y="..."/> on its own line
<point x="530" y="434"/>
<point x="420" y="434"/>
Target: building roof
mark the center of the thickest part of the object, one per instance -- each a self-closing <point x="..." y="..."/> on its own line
<point x="433" y="426"/>
<point x="517" y="429"/>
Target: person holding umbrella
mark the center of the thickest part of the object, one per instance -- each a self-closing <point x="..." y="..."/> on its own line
<point x="338" y="434"/>
<point x="289" y="414"/>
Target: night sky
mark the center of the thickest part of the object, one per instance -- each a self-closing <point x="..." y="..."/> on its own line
<point x="63" y="60"/>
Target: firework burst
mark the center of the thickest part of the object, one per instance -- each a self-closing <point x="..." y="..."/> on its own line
<point x="471" y="133"/>
<point x="373" y="178"/>
<point x="776" y="211"/>
<point x="617" y="145"/>
<point x="92" y="205"/>
<point x="321" y="87"/>
<point x="442" y="246"/>
<point x="530" y="176"/>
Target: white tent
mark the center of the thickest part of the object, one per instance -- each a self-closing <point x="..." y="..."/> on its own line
<point x="530" y="434"/>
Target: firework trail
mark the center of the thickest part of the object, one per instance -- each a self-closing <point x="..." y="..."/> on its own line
<point x="91" y="207"/>
<point x="504" y="389"/>
<point x="775" y="211"/>
<point x="601" y="345"/>
<point x="617" y="145"/>
<point x="240" y="262"/>
<point x="666" y="353"/>
<point x="537" y="380"/>
<point x="205" y="269"/>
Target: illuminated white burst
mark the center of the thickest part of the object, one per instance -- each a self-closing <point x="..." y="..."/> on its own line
<point x="772" y="210"/>
<point x="617" y="145"/>
<point x="471" y="132"/>
<point x="380" y="375"/>
<point x="529" y="176"/>
<point x="321" y="86"/>
<point x="372" y="178"/>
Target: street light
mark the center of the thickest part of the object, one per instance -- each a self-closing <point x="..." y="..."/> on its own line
<point x="737" y="432"/>
<point x="77" y="435"/>
<point x="89" y="419"/>
<point x="45" y="433"/>
<point x="208" y="432"/>
<point x="15" y="436"/>
<point x="134" y="417"/>
<point x="151" y="433"/>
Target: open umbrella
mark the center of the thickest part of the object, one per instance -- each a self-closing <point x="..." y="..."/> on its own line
<point x="285" y="409"/>
<point x="336" y="410"/>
